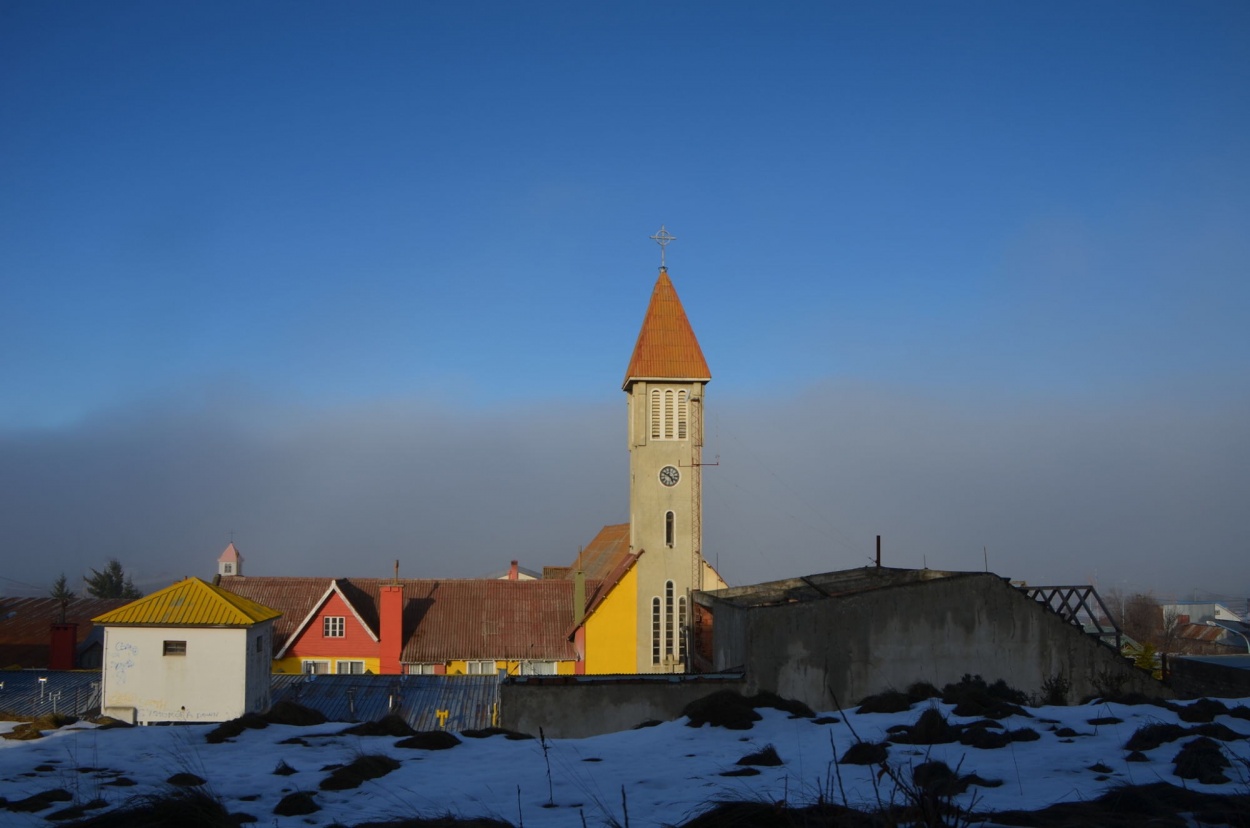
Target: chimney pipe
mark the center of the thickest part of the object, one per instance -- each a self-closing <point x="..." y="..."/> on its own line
<point x="878" y="551"/>
<point x="513" y="573"/>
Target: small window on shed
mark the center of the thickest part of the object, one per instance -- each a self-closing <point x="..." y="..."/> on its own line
<point x="175" y="648"/>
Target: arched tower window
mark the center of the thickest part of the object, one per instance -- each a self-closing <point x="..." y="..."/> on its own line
<point x="668" y="618"/>
<point x="655" y="630"/>
<point x="670" y="532"/>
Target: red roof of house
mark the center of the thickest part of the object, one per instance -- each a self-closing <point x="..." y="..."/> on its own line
<point x="442" y="619"/>
<point x="666" y="347"/>
<point x="604" y="553"/>
<point x="26" y="626"/>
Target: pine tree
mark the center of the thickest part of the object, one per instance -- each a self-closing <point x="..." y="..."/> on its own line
<point x="61" y="592"/>
<point x="113" y="582"/>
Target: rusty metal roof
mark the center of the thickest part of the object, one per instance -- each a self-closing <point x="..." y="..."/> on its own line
<point x="295" y="597"/>
<point x="26" y="626"/>
<point x="485" y="619"/>
<point x="191" y="603"/>
<point x="604" y="553"/>
<point x="666" y="346"/>
<point x="442" y="619"/>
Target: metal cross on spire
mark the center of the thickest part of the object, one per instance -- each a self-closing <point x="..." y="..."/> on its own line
<point x="662" y="238"/>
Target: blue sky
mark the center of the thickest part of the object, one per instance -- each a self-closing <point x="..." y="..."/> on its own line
<point x="302" y="228"/>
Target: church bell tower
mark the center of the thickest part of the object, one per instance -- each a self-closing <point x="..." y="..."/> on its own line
<point x="665" y="385"/>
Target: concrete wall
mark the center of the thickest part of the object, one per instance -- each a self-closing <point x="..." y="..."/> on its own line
<point x="573" y="709"/>
<point x="933" y="631"/>
<point x="1222" y="677"/>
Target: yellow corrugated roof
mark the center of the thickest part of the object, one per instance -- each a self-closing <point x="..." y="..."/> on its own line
<point x="191" y="603"/>
<point x="666" y="347"/>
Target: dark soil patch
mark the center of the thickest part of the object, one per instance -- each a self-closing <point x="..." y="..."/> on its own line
<point x="294" y="740"/>
<point x="740" y="772"/>
<point x="865" y="753"/>
<point x="242" y="818"/>
<point x="769" y="815"/>
<point x="1158" y="804"/>
<point x="1240" y="712"/>
<point x="122" y="782"/>
<point x="184" y="807"/>
<point x="34" y="728"/>
<point x="283" y="769"/>
<point x="888" y="701"/>
<point x="76" y="811"/>
<point x="826" y="720"/>
<point x="108" y="722"/>
<point x="290" y="713"/>
<point x="1104" y="720"/>
<point x="429" y="740"/>
<point x="1149" y="737"/>
<point x="39" y="801"/>
<point x="732" y="710"/>
<point x="1203" y="760"/>
<point x="648" y="723"/>
<point x="1137" y="756"/>
<point x="592" y="759"/>
<point x="930" y="729"/>
<point x="359" y="771"/>
<point x="296" y="804"/>
<point x="1201" y="711"/>
<point x="1066" y="733"/>
<point x="233" y="727"/>
<point x="45" y="768"/>
<point x="1215" y="730"/>
<point x="1099" y="767"/>
<point x="766" y="758"/>
<point x="185" y="780"/>
<point x="487" y="732"/>
<point x="388" y="725"/>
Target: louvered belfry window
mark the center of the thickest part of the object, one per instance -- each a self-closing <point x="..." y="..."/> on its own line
<point x="668" y="618"/>
<point x="670" y="414"/>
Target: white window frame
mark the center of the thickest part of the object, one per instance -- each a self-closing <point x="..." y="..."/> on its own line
<point x="315" y="667"/>
<point x="481" y="667"/>
<point x="354" y="667"/>
<point x="334" y="626"/>
<point x="539" y="668"/>
<point x="424" y="669"/>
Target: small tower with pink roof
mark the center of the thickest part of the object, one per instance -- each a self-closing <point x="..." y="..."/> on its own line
<point x="230" y="562"/>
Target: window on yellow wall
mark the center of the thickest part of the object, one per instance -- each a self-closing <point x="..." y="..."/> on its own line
<point x="349" y="668"/>
<point x="423" y="669"/>
<point x="317" y="668"/>
<point x="332" y="626"/>
<point x="479" y="668"/>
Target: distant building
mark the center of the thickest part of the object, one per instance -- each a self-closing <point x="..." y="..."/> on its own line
<point x="33" y="635"/>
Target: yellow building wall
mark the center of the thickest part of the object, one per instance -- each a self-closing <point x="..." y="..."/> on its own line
<point x="460" y="668"/>
<point x="610" y="631"/>
<point x="294" y="664"/>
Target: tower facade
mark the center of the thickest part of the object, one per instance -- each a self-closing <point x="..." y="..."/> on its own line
<point x="665" y="385"/>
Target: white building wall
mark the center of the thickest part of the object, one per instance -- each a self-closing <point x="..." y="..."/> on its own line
<point x="212" y="682"/>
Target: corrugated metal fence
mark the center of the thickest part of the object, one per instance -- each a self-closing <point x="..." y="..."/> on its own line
<point x="425" y="702"/>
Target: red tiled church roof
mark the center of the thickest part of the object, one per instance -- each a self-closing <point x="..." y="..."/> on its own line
<point x="666" y="347"/>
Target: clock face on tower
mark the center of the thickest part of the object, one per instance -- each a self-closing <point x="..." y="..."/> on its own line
<point x="669" y="476"/>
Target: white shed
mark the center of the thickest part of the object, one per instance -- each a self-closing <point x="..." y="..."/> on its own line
<point x="191" y="652"/>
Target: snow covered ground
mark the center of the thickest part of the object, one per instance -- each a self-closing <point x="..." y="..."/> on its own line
<point x="668" y="772"/>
